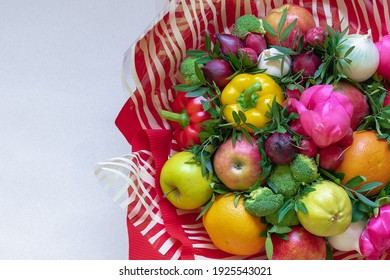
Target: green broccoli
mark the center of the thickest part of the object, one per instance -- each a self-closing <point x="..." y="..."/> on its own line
<point x="187" y="69"/>
<point x="304" y="169"/>
<point x="262" y="202"/>
<point x="283" y="182"/>
<point x="289" y="219"/>
<point x="247" y="24"/>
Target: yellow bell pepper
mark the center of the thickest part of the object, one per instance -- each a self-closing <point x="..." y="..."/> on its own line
<point x="251" y="94"/>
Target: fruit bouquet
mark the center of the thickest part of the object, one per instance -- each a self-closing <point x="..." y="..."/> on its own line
<point x="259" y="130"/>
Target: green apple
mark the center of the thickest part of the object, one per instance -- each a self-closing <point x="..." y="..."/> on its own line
<point x="182" y="182"/>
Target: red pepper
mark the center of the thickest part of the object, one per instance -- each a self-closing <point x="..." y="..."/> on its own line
<point x="187" y="116"/>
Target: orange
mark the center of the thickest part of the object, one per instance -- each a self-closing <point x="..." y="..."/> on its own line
<point x="232" y="229"/>
<point x="368" y="156"/>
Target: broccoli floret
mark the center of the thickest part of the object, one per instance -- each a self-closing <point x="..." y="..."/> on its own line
<point x="283" y="181"/>
<point x="262" y="202"/>
<point x="289" y="219"/>
<point x="187" y="69"/>
<point x="247" y="24"/>
<point x="304" y="169"/>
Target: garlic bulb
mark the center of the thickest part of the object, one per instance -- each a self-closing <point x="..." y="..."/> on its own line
<point x="274" y="62"/>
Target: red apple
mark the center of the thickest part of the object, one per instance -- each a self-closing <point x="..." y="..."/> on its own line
<point x="331" y="157"/>
<point x="301" y="245"/>
<point x="305" y="21"/>
<point x="308" y="148"/>
<point x="237" y="166"/>
<point x="361" y="108"/>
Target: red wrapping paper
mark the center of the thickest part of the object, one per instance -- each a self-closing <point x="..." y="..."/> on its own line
<point x="156" y="229"/>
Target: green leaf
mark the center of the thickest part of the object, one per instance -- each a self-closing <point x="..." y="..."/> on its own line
<point x="187" y="87"/>
<point x="269" y="29"/>
<point x="242" y="116"/>
<point x="247" y="135"/>
<point x="196" y="53"/>
<point x="329" y="252"/>
<point x="280" y="229"/>
<point x="355" y="181"/>
<point x="348" y="52"/>
<point x="207" y="43"/>
<point x="236" y="199"/>
<point x="217" y="49"/>
<point x="199" y="74"/>
<point x="366" y="200"/>
<point x="286" y="32"/>
<point x="236" y="117"/>
<point x="368" y="187"/>
<point x="269" y="247"/>
<point x="206" y="207"/>
<point x="197" y="92"/>
<point x="284" y="209"/>
<point x="282" y="21"/>
<point x="300" y="206"/>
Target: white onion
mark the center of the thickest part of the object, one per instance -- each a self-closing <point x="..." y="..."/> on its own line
<point x="275" y="67"/>
<point x="364" y="57"/>
<point x="349" y="239"/>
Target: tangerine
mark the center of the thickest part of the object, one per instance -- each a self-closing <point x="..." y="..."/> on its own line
<point x="231" y="228"/>
<point x="367" y="156"/>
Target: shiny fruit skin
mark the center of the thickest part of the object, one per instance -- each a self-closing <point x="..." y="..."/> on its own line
<point x="301" y="245"/>
<point x="183" y="183"/>
<point x="305" y="21"/>
<point x="232" y="229"/>
<point x="237" y="166"/>
<point x="368" y="156"/>
<point x="329" y="210"/>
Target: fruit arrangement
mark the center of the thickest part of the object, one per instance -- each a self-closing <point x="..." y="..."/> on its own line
<point x="281" y="133"/>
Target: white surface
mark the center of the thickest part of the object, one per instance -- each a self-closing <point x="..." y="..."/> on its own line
<point x="60" y="93"/>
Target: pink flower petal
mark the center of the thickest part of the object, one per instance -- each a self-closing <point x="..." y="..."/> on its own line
<point x="315" y="94"/>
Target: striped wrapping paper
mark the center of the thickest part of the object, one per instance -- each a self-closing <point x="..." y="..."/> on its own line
<point x="156" y="229"/>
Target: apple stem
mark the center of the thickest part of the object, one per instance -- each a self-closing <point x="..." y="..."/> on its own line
<point x="165" y="195"/>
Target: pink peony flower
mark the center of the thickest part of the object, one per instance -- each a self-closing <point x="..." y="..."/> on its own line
<point x="325" y="115"/>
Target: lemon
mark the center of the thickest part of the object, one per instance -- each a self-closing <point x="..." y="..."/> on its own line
<point x="329" y="210"/>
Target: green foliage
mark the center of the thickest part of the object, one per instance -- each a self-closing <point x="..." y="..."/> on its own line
<point x="290" y="218"/>
<point x="283" y="182"/>
<point x="379" y="119"/>
<point x="262" y="202"/>
<point x="304" y="169"/>
<point x="279" y="232"/>
<point x="330" y="71"/>
<point x="282" y="35"/>
<point x="188" y="69"/>
<point x="246" y="24"/>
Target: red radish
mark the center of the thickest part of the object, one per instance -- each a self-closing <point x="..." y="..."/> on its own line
<point x="308" y="148"/>
<point x="280" y="148"/>
<point x="293" y="39"/>
<point x="296" y="126"/>
<point x="331" y="157"/>
<point x="250" y="52"/>
<point x="293" y="93"/>
<point x="346" y="140"/>
<point x="316" y="35"/>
